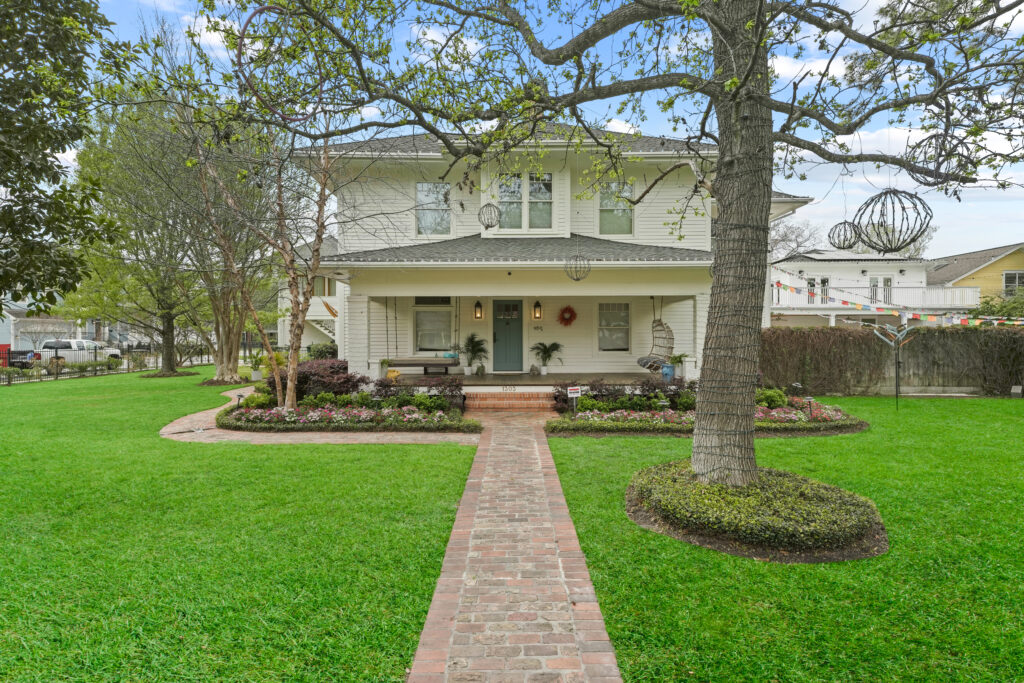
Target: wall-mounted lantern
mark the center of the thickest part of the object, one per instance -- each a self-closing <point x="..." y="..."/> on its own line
<point x="903" y="271"/>
<point x="538" y="311"/>
<point x="864" y="272"/>
<point x="478" y="310"/>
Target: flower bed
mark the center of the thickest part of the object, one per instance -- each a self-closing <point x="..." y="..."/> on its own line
<point x="795" y="417"/>
<point x="349" y="418"/>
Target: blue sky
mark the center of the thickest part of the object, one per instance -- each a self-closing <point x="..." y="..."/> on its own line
<point x="983" y="218"/>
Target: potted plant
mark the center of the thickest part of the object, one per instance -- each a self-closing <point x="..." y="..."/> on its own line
<point x="473" y="349"/>
<point x="679" y="360"/>
<point x="255" y="363"/>
<point x="545" y="353"/>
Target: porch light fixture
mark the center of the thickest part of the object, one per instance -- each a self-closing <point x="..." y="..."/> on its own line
<point x="864" y="272"/>
<point x="478" y="310"/>
<point x="903" y="271"/>
<point x="538" y="310"/>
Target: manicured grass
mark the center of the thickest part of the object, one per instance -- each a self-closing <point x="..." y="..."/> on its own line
<point x="945" y="603"/>
<point x="124" y="556"/>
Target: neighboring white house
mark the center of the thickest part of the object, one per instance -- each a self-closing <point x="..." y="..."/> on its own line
<point x="413" y="271"/>
<point x="826" y="279"/>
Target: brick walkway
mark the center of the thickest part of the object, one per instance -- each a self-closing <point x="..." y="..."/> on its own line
<point x="514" y="602"/>
<point x="202" y="427"/>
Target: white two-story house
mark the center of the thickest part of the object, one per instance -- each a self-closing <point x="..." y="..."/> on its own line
<point x="837" y="286"/>
<point x="413" y="271"/>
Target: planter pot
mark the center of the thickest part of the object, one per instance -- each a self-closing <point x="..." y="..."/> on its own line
<point x="543" y="369"/>
<point x="681" y="372"/>
<point x="467" y="369"/>
<point x="256" y="376"/>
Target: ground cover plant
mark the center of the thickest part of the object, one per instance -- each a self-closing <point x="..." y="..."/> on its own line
<point x="131" y="557"/>
<point x="388" y="407"/>
<point x="942" y="604"/>
<point x="774" y="412"/>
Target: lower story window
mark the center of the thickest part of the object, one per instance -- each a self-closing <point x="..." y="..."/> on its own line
<point x="433" y="330"/>
<point x="1013" y="280"/>
<point x="613" y="327"/>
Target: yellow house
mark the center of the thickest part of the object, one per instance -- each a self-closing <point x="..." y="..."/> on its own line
<point x="998" y="271"/>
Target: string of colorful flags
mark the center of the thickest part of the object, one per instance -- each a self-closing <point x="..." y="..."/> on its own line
<point x="896" y="310"/>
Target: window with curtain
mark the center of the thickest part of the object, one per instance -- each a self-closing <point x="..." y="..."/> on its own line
<point x="433" y="330"/>
<point x="510" y="201"/>
<point x="323" y="286"/>
<point x="616" y="215"/>
<point x="613" y="327"/>
<point x="433" y="209"/>
<point x="540" y="201"/>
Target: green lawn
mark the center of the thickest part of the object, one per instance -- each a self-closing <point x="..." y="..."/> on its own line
<point x="124" y="556"/>
<point x="946" y="602"/>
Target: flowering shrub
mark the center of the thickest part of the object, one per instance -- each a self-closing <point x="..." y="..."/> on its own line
<point x="638" y="416"/>
<point x="819" y="412"/>
<point x="349" y="415"/>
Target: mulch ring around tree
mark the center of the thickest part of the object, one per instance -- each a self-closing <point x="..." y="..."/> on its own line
<point x="873" y="541"/>
<point x="219" y="382"/>
<point x="159" y="375"/>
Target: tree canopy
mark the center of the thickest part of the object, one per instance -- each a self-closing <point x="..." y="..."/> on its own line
<point x="50" y="53"/>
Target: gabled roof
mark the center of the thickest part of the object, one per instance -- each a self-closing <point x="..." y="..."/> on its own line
<point x="949" y="269"/>
<point x="423" y="145"/>
<point x="831" y="255"/>
<point x="540" y="250"/>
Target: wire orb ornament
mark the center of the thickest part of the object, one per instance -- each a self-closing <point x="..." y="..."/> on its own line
<point x="844" y="235"/>
<point x="489" y="216"/>
<point x="577" y="267"/>
<point x="940" y="152"/>
<point x="892" y="220"/>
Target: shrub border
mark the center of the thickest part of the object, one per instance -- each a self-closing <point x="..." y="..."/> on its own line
<point x="565" y="427"/>
<point x="461" y="425"/>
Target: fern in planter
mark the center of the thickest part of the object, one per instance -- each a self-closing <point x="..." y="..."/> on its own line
<point x="545" y="353"/>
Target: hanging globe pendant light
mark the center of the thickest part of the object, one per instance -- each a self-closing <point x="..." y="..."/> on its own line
<point x="844" y="235"/>
<point x="577" y="267"/>
<point x="892" y="220"/>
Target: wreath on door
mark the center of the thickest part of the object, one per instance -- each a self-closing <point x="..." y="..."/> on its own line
<point x="567" y="316"/>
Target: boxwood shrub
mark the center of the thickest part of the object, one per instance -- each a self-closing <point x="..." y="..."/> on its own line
<point x="778" y="510"/>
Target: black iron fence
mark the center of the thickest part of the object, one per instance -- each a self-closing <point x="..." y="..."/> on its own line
<point x="18" y="366"/>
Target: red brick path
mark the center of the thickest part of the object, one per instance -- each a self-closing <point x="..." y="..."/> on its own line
<point x="514" y="602"/>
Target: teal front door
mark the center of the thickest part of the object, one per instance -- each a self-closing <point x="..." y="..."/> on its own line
<point x="508" y="336"/>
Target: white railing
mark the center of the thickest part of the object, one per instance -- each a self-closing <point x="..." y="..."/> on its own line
<point x="952" y="298"/>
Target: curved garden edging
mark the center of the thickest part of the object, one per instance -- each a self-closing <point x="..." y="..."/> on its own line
<point x="461" y="425"/>
<point x="562" y="427"/>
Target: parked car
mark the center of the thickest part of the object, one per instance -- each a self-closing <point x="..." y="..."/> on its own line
<point x="89" y="347"/>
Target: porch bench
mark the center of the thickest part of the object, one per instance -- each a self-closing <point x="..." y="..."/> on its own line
<point x="424" y="363"/>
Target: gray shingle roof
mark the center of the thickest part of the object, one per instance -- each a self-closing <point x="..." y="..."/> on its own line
<point x="420" y="144"/>
<point x="842" y="255"/>
<point x="949" y="269"/>
<point x="478" y="249"/>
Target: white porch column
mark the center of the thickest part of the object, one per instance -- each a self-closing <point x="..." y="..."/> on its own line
<point x="358" y="333"/>
<point x="831" y="319"/>
<point x="340" y="331"/>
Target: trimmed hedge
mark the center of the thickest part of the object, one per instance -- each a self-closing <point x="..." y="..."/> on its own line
<point x="456" y="424"/>
<point x="778" y="510"/>
<point x="565" y="425"/>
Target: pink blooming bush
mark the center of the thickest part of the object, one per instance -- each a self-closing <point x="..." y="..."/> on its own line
<point x="638" y="416"/>
<point x="409" y="415"/>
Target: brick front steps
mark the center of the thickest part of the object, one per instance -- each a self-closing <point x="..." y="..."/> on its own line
<point x="501" y="400"/>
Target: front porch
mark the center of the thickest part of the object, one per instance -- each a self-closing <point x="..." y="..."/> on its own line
<point x="500" y="381"/>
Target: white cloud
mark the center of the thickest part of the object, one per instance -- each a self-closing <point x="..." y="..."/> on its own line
<point x="369" y="112"/>
<point x="788" y="68"/>
<point x="620" y="126"/>
<point x="208" y="31"/>
<point x="69" y="158"/>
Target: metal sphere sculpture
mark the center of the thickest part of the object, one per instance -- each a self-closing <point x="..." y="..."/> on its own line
<point x="489" y="216"/>
<point x="892" y="220"/>
<point x="844" y="235"/>
<point x="577" y="266"/>
<point x="940" y="152"/>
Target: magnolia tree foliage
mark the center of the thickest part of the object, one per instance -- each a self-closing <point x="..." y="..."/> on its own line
<point x="759" y="88"/>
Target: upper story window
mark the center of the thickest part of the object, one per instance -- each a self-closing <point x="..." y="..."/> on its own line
<point x="433" y="209"/>
<point x="529" y="210"/>
<point x="1012" y="280"/>
<point x="323" y="286"/>
<point x="616" y="215"/>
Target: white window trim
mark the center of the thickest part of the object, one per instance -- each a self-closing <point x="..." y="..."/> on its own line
<point x="416" y="234"/>
<point x="597" y="327"/>
<point x="632" y="218"/>
<point x="416" y="353"/>
<point x="524" y="201"/>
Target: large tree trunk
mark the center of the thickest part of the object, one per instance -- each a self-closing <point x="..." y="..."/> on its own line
<point x="168" y="360"/>
<point x="228" y="323"/>
<point x="723" y="442"/>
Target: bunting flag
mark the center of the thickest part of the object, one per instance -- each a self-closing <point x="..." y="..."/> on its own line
<point x="945" y="319"/>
